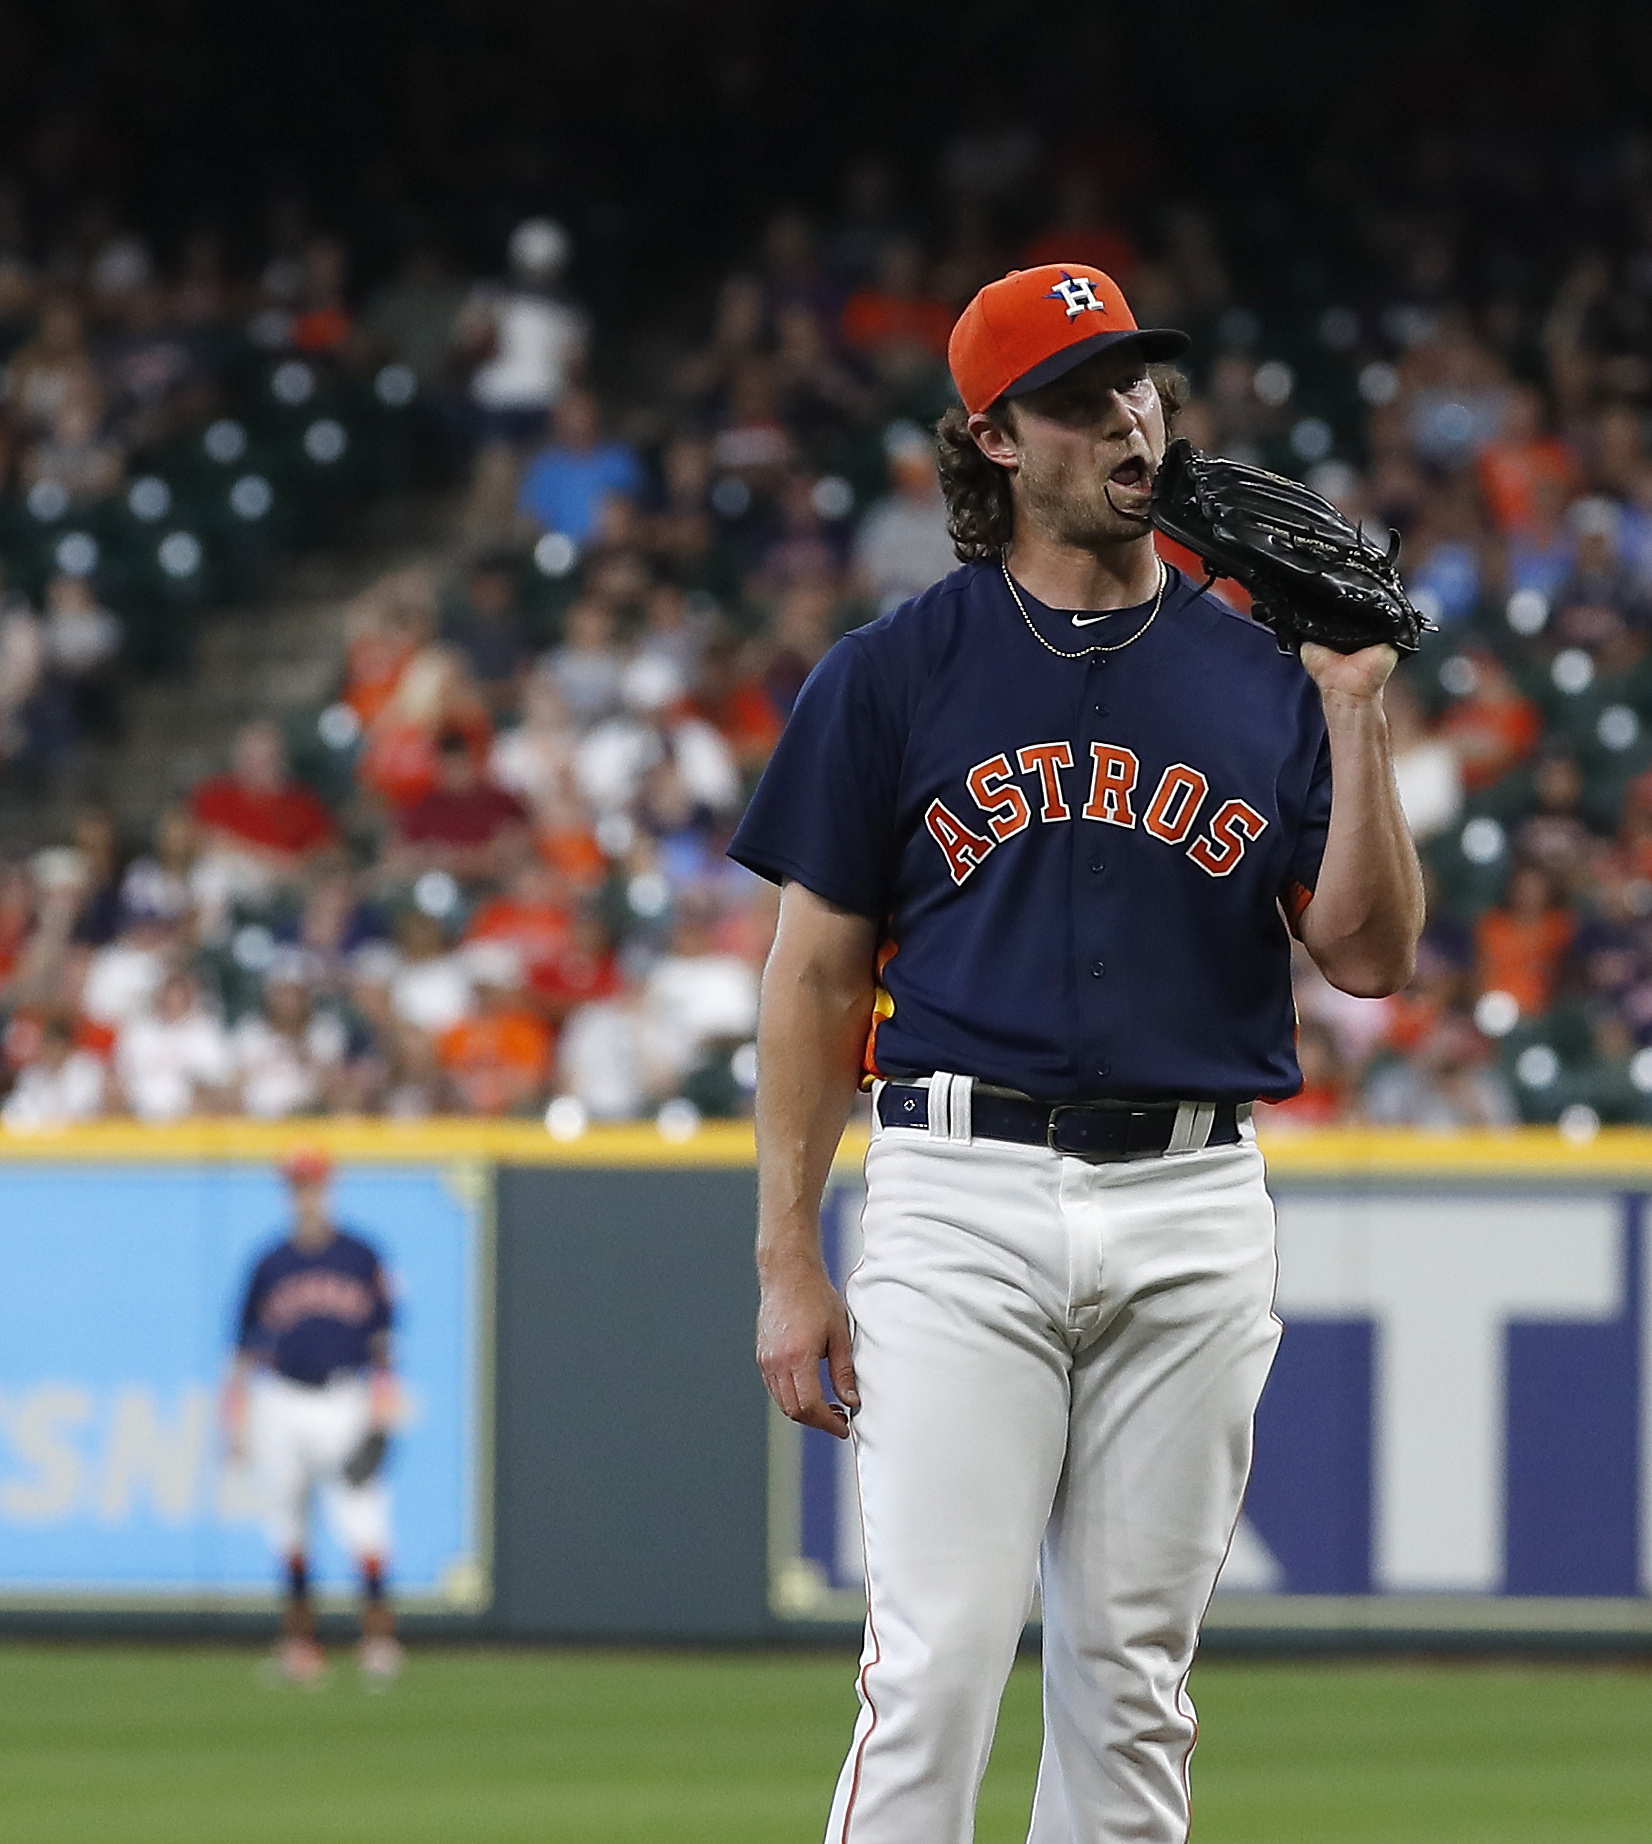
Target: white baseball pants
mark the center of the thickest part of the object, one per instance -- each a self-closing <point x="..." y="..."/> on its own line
<point x="1061" y="1356"/>
<point x="300" y="1439"/>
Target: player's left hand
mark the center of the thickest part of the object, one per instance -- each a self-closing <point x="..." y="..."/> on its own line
<point x="1349" y="675"/>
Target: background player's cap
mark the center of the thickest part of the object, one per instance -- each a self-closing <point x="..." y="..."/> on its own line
<point x="1033" y="325"/>
<point x="307" y="1165"/>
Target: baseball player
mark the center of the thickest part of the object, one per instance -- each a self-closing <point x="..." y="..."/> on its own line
<point x="310" y="1402"/>
<point x="1044" y="833"/>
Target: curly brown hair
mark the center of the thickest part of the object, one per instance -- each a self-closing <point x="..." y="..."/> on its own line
<point x="980" y="514"/>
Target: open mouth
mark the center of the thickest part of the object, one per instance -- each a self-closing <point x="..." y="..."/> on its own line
<point x="1132" y="474"/>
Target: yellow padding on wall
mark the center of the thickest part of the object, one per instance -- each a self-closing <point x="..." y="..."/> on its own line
<point x="1332" y="1152"/>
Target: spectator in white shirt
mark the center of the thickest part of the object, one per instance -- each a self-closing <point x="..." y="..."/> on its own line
<point x="432" y="988"/>
<point x="903" y="545"/>
<point x="535" y="761"/>
<point x="60" y="1086"/>
<point x="289" y="1056"/>
<point x="534" y="342"/>
<point x="1426" y="768"/>
<point x="695" y="996"/>
<point x="174" y="1061"/>
<point x="600" y="1062"/>
<point x="82" y="641"/>
<point x="125" y="975"/>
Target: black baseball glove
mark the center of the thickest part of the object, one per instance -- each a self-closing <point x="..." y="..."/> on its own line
<point x="1311" y="575"/>
<point x="367" y="1456"/>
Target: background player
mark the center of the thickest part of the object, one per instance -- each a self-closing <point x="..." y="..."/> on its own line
<point x="1047" y="828"/>
<point x="310" y="1401"/>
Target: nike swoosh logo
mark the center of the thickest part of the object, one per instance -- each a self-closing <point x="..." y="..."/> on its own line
<point x="1091" y="620"/>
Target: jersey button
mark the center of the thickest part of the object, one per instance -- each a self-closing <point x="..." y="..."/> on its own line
<point x="1097" y="864"/>
<point x="1104" y="1069"/>
<point x="1097" y="969"/>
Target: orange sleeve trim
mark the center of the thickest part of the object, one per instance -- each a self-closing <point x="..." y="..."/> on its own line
<point x="883" y="1006"/>
<point x="1296" y="898"/>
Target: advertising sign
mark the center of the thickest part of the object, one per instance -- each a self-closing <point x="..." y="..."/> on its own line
<point x="1457" y="1434"/>
<point x="120" y="1286"/>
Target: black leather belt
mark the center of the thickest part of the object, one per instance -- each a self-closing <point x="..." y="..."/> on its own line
<point x="1086" y="1129"/>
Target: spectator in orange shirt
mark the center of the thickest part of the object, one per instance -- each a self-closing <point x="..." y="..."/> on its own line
<point x="435" y="693"/>
<point x="1494" y="727"/>
<point x="322" y="324"/>
<point x="1323" y="1096"/>
<point x="533" y="918"/>
<point x="499" y="1058"/>
<point x="1081" y="233"/>
<point x="1519" y="457"/>
<point x="1635" y="828"/>
<point x="896" y="311"/>
<point x="385" y="626"/>
<point x="1522" y="944"/>
<point x="733" y="697"/>
<point x="1436" y="990"/>
<point x="568" y="843"/>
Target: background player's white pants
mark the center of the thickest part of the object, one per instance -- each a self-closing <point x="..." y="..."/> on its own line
<point x="1059" y="1353"/>
<point x="300" y="1439"/>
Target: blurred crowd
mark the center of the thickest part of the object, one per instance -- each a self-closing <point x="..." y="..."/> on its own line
<point x="487" y="876"/>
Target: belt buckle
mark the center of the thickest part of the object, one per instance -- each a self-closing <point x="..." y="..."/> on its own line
<point x="1132" y="1131"/>
<point x="1082" y="1145"/>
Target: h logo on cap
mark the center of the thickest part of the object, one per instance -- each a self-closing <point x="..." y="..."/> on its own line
<point x="1079" y="292"/>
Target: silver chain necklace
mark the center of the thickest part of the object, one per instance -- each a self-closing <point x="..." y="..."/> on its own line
<point x="1117" y="646"/>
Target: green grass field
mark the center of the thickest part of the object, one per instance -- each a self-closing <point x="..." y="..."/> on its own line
<point x="137" y="1745"/>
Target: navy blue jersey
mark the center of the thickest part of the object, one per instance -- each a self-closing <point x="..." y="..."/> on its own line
<point x="309" y="1313"/>
<point x="1078" y="865"/>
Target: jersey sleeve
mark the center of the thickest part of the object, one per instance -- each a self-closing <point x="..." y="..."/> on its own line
<point x="248" y="1335"/>
<point x="383" y="1311"/>
<point x="824" y="812"/>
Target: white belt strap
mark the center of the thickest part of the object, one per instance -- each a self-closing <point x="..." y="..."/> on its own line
<point x="949" y="1107"/>
<point x="1192" y="1130"/>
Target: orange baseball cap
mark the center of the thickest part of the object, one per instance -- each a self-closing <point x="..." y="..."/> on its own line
<point x="1033" y="325"/>
<point x="307" y="1165"/>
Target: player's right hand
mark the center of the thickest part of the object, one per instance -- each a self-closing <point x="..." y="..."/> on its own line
<point x="801" y="1321"/>
<point x="232" y="1417"/>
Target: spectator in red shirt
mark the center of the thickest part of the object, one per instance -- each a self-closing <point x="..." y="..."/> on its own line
<point x="261" y="829"/>
<point x="583" y="970"/>
<point x="533" y="917"/>
<point x="465" y="825"/>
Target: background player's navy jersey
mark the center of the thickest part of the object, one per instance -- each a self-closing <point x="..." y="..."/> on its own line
<point x="1077" y="863"/>
<point x="311" y="1313"/>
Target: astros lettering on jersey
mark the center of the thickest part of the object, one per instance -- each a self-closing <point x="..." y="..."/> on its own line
<point x="1114" y="772"/>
